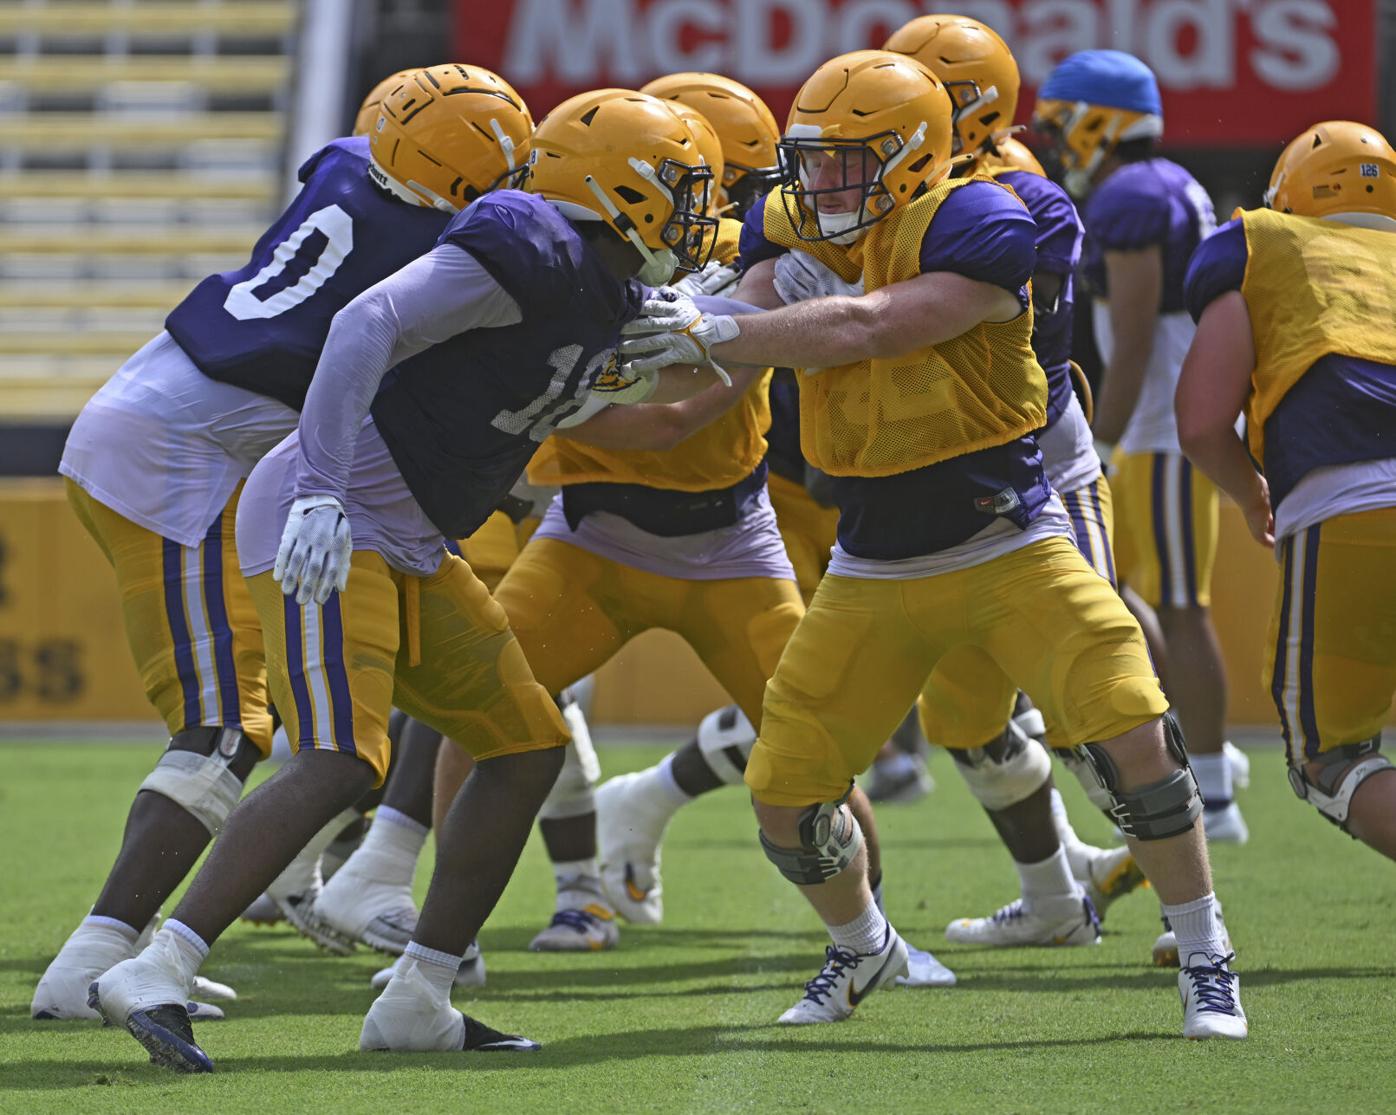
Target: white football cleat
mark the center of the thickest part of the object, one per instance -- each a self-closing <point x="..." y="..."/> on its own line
<point x="1016" y="926"/>
<point x="1211" y="994"/>
<point x="295" y="892"/>
<point x="1105" y="874"/>
<point x="360" y="907"/>
<point x="1240" y="765"/>
<point x="901" y="779"/>
<point x="62" y="992"/>
<point x="1225" y="825"/>
<point x="470" y="974"/>
<point x="591" y="928"/>
<point x="149" y="996"/>
<point x="628" y="836"/>
<point x="924" y="970"/>
<point x="846" y="979"/>
<point x="412" y="1016"/>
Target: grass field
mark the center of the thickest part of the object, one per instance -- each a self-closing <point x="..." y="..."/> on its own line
<point x="680" y="1017"/>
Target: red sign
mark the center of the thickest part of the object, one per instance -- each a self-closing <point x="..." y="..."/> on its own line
<point x="1232" y="71"/>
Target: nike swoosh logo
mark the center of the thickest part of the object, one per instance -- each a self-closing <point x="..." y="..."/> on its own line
<point x="855" y="996"/>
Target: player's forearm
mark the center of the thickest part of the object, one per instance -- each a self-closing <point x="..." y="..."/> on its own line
<point x="1219" y="453"/>
<point x="1120" y="386"/>
<point x="662" y="426"/>
<point x="820" y="333"/>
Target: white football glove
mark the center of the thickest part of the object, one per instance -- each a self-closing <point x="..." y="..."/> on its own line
<point x="672" y="330"/>
<point x="316" y="546"/>
<point x="799" y="276"/>
<point x="713" y="279"/>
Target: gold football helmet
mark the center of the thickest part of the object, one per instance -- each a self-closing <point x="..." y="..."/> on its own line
<point x="368" y="111"/>
<point x="743" y="123"/>
<point x="628" y="160"/>
<point x="1335" y="167"/>
<point x="871" y="121"/>
<point x="975" y="66"/>
<point x="447" y="134"/>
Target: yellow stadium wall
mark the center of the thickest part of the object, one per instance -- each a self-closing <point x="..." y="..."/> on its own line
<point x="63" y="652"/>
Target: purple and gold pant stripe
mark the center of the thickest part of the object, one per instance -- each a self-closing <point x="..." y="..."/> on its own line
<point x="1090" y="529"/>
<point x="1292" y="681"/>
<point x="200" y="632"/>
<point x="1175" y="551"/>
<point x="319" y="680"/>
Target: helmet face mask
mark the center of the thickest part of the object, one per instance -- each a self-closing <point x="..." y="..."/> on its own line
<point x="854" y="170"/>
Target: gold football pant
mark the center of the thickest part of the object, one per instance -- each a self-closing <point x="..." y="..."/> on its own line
<point x="572" y="610"/>
<point x="1332" y="646"/>
<point x="968" y="699"/>
<point x="189" y="619"/>
<point x="865" y="648"/>
<point x="437" y="647"/>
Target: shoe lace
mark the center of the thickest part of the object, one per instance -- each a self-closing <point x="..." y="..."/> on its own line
<point x="836" y="962"/>
<point x="1012" y="912"/>
<point x="579" y="920"/>
<point x="1213" y="985"/>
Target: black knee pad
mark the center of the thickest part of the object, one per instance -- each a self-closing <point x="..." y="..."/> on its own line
<point x="1161" y="809"/>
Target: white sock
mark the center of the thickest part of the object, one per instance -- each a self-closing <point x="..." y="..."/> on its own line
<point x="1065" y="832"/>
<point x="113" y="928"/>
<point x="181" y="947"/>
<point x="1048" y="883"/>
<point x="438" y="968"/>
<point x="579" y="884"/>
<point x="864" y="934"/>
<point x="899" y="762"/>
<point x="302" y="874"/>
<point x="1213" y="773"/>
<point x="1198" y="927"/>
<point x="391" y="849"/>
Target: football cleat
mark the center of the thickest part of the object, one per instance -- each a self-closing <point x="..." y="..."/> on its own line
<point x="1225" y="825"/>
<point x="900" y="779"/>
<point x="412" y="1016"/>
<point x="846" y="979"/>
<point x="148" y="996"/>
<point x="1015" y="926"/>
<point x="627" y="840"/>
<point x="470" y="974"/>
<point x="589" y="929"/>
<point x="263" y="911"/>
<point x="924" y="970"/>
<point x="1211" y="994"/>
<point x="62" y="992"/>
<point x="1105" y="874"/>
<point x="1240" y="765"/>
<point x="359" y="907"/>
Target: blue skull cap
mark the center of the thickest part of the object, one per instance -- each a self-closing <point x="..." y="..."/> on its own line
<point x="1109" y="78"/>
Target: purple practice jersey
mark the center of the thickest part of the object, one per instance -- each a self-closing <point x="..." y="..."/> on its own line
<point x="982" y="232"/>
<point x="1151" y="202"/>
<point x="1058" y="253"/>
<point x="463" y="417"/>
<point x="1342" y="411"/>
<point x="262" y="326"/>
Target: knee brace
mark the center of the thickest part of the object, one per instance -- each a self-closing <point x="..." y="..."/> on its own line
<point x="829" y="839"/>
<point x="573" y="794"/>
<point x="1075" y="761"/>
<point x="1161" y="809"/>
<point x="203" y="771"/>
<point x="1003" y="773"/>
<point x="725" y="739"/>
<point x="1340" y="772"/>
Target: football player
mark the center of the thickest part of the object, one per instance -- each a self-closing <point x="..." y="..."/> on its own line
<point x="968" y="704"/>
<point x="156" y="460"/>
<point x="506" y="329"/>
<point x="683" y="539"/>
<point x="1293" y="307"/>
<point x="923" y="394"/>
<point x="1144" y="215"/>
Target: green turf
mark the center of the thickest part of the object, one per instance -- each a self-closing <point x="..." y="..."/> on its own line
<point x="679" y="1018"/>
